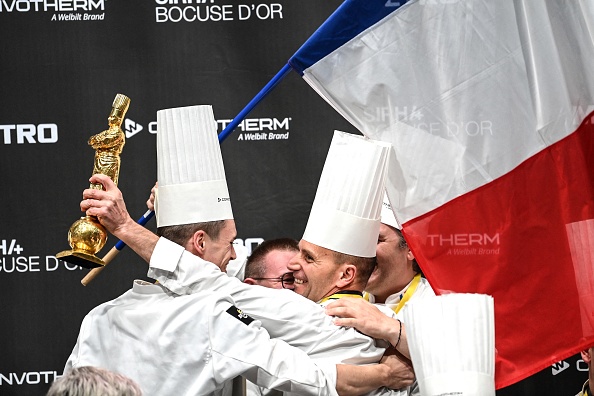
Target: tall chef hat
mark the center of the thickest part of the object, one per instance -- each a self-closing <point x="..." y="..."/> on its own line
<point x="451" y="339"/>
<point x="345" y="215"/>
<point x="190" y="172"/>
<point x="387" y="216"/>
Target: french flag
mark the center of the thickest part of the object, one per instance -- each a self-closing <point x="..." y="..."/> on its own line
<point x="488" y="105"/>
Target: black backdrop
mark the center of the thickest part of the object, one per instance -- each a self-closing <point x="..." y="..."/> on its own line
<point x="62" y="63"/>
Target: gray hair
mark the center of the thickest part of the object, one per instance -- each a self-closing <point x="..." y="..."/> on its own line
<point x="93" y="381"/>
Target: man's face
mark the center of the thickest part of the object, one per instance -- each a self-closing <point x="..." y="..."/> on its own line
<point x="392" y="264"/>
<point x="276" y="263"/>
<point x="315" y="271"/>
<point x="220" y="250"/>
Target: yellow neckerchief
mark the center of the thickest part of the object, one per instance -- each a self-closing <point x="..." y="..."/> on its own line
<point x="407" y="294"/>
<point x="341" y="294"/>
<point x="586" y="389"/>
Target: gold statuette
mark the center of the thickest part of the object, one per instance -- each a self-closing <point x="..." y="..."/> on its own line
<point x="87" y="236"/>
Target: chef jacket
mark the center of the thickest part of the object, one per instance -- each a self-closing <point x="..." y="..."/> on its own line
<point x="285" y="314"/>
<point x="390" y="307"/>
<point x="192" y="345"/>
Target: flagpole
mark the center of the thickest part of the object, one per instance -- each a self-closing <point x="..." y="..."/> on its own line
<point x="250" y="106"/>
<point x="222" y="136"/>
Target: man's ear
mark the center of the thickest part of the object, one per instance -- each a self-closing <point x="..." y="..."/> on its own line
<point x="249" y="281"/>
<point x="409" y="255"/>
<point x="587" y="356"/>
<point x="348" y="275"/>
<point x="198" y="242"/>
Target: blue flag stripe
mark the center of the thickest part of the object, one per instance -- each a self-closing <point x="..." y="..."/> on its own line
<point x="349" y="20"/>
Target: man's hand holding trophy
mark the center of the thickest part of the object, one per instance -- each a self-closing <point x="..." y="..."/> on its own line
<point x="87" y="236"/>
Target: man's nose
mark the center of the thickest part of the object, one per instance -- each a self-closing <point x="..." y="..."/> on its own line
<point x="293" y="264"/>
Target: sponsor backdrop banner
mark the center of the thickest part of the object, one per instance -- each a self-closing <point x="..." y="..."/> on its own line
<point x="63" y="62"/>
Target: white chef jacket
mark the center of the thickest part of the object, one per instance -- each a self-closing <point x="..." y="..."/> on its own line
<point x="285" y="314"/>
<point x="191" y="345"/>
<point x="423" y="290"/>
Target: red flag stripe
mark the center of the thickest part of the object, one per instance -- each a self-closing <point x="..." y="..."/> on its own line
<point x="521" y="230"/>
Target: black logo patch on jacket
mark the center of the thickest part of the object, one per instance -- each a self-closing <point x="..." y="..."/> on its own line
<point x="239" y="314"/>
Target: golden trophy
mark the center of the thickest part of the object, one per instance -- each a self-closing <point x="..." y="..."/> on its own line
<point x="87" y="236"/>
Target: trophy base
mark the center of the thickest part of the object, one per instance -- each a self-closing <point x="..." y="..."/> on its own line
<point x="83" y="259"/>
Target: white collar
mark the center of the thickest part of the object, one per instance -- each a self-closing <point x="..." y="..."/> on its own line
<point x="142" y="287"/>
<point x="395" y="298"/>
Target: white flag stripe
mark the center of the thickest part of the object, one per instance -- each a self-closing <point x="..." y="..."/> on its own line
<point x="480" y="85"/>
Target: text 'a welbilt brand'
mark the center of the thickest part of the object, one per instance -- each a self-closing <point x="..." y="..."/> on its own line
<point x="260" y="129"/>
<point x="78" y="17"/>
<point x="207" y="11"/>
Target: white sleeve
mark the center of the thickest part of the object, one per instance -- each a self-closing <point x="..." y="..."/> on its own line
<point x="72" y="360"/>
<point x="283" y="313"/>
<point x="240" y="347"/>
<point x="83" y="334"/>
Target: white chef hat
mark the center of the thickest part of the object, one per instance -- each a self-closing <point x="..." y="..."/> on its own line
<point x="387" y="215"/>
<point x="451" y="339"/>
<point x="345" y="215"/>
<point x="190" y="172"/>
